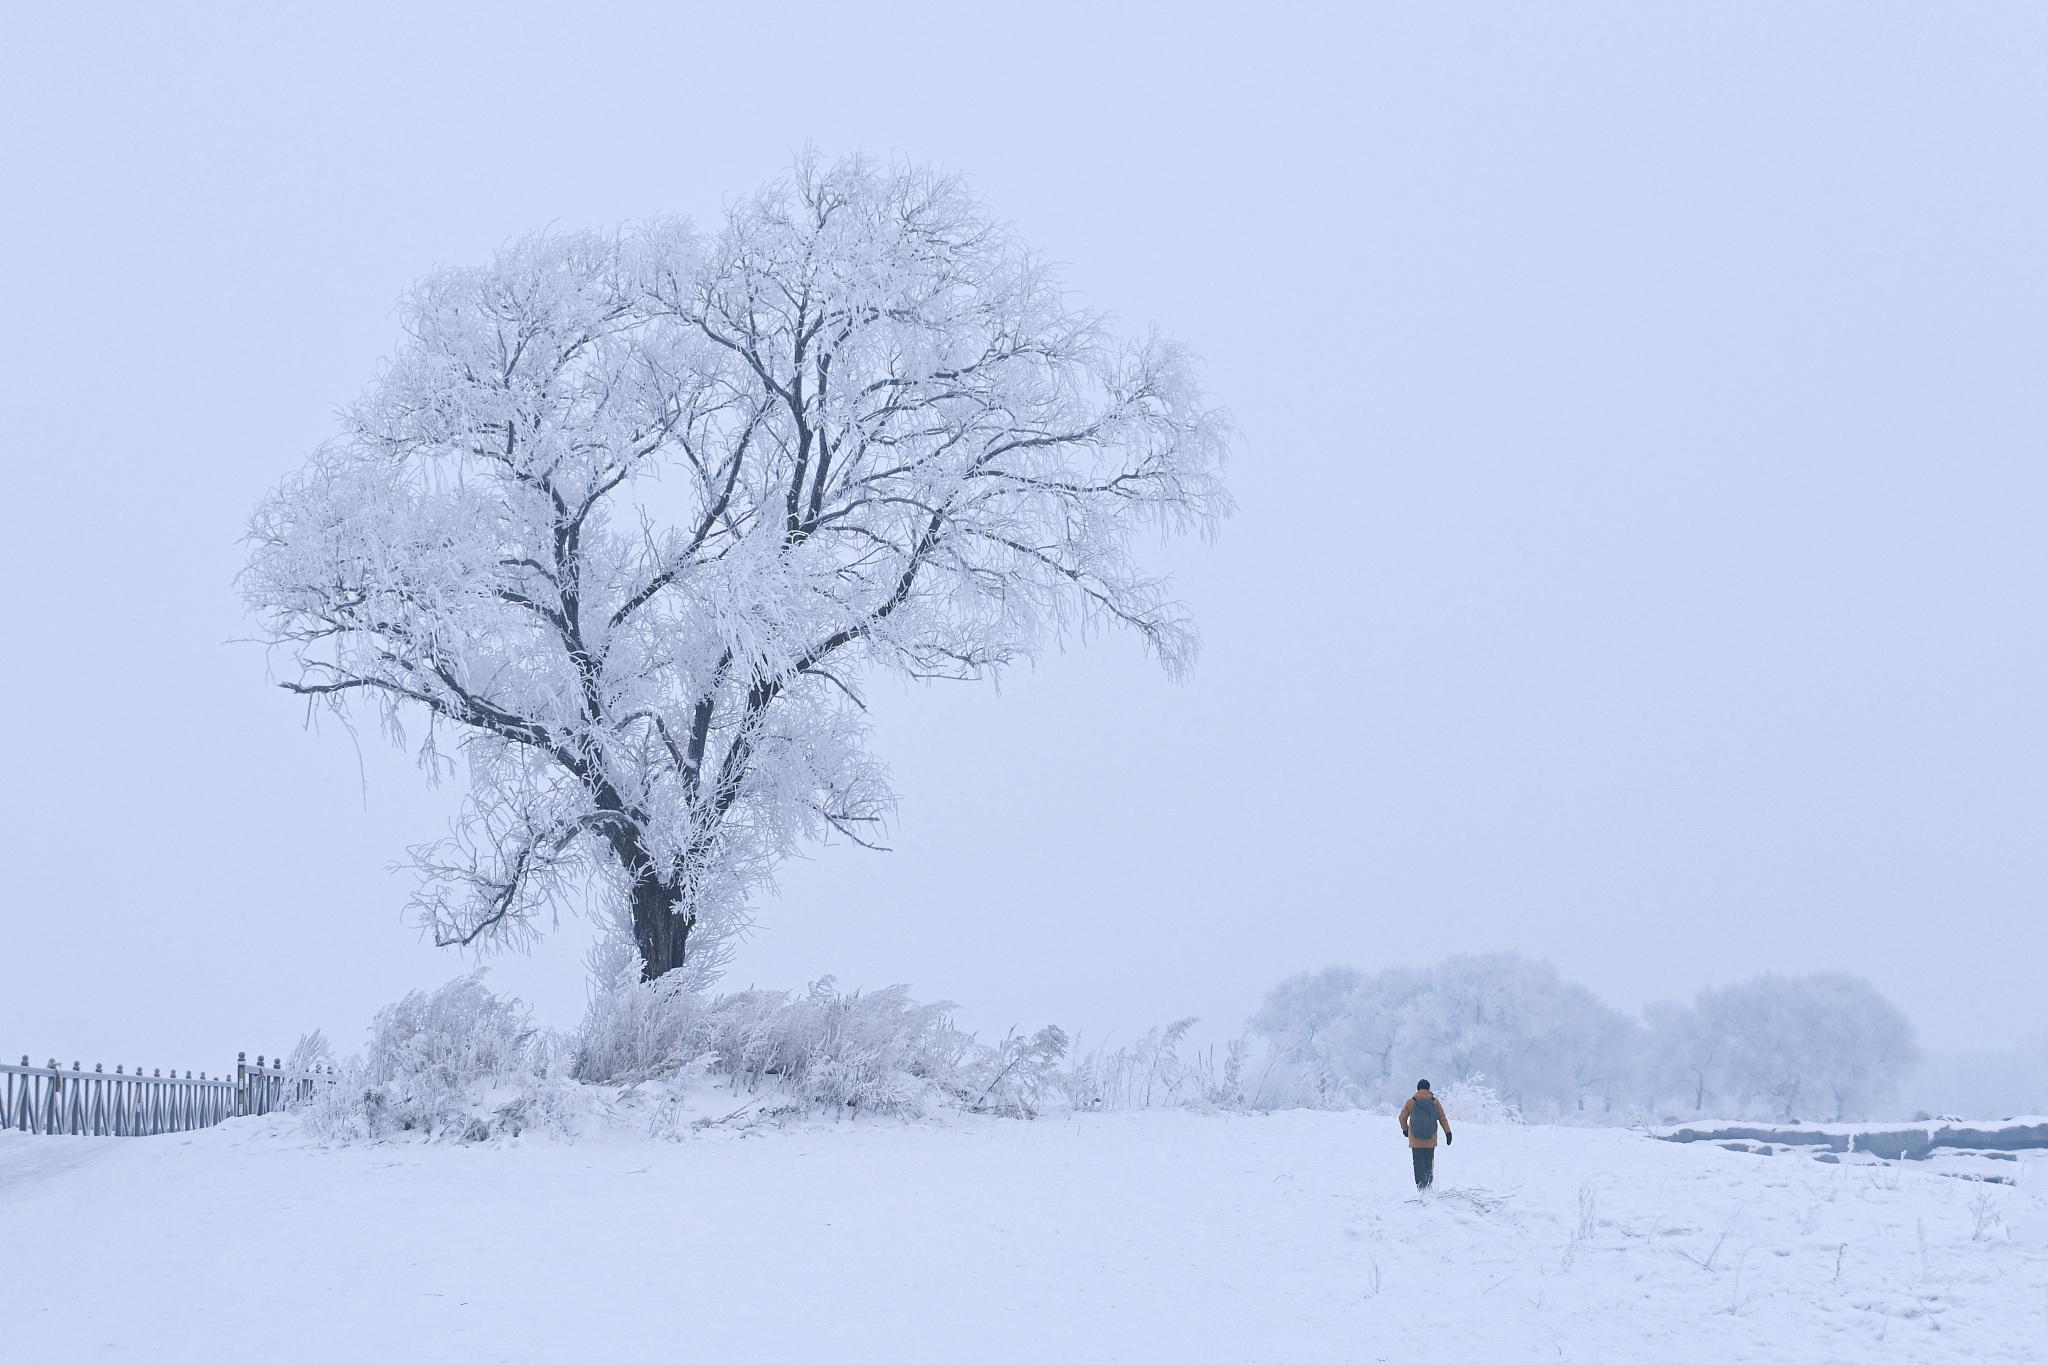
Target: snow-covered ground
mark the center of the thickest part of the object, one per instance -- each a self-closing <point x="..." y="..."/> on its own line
<point x="1149" y="1236"/>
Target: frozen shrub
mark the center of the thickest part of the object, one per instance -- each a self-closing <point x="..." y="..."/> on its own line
<point x="878" y="1050"/>
<point x="1023" y="1073"/>
<point x="1142" y="1074"/>
<point x="312" y="1053"/>
<point x="639" y="1031"/>
<point x="1227" y="1088"/>
<point x="463" y="1062"/>
<point x="437" y="1042"/>
<point x="1152" y="1073"/>
<point x="1230" y="1083"/>
<point x="1472" y="1100"/>
<point x="458" y="1061"/>
<point x="311" y="1056"/>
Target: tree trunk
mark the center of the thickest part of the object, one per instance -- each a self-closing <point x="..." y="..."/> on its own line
<point x="659" y="928"/>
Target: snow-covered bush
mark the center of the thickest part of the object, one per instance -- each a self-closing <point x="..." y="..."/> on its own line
<point x="312" y="1053"/>
<point x="878" y="1051"/>
<point x="1144" y="1074"/>
<point x="1232" y="1085"/>
<point x="883" y="1052"/>
<point x="458" y="1061"/>
<point x="639" y="1031"/>
<point x="1023" y="1073"/>
<point x="311" y="1068"/>
<point x="462" y="1061"/>
<point x="1472" y="1100"/>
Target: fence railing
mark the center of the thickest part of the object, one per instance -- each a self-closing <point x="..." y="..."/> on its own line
<point x="120" y="1103"/>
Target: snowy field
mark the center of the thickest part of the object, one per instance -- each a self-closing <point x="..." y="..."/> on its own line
<point x="1148" y="1236"/>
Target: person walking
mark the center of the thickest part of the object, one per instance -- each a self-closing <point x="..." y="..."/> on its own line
<point x="1420" y="1118"/>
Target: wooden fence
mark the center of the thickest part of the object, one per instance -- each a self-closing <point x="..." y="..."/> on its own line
<point x="121" y="1103"/>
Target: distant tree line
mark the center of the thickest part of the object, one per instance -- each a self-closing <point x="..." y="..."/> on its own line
<point x="1821" y="1047"/>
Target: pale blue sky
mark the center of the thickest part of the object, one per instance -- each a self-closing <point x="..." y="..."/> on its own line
<point x="1639" y="564"/>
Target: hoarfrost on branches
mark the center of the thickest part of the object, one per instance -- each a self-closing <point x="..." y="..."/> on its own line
<point x="457" y="1061"/>
<point x="1365" y="1038"/>
<point x="630" y="517"/>
<point x="1825" y="1046"/>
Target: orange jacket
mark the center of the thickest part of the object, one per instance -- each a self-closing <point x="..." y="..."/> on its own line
<point x="1443" y="1119"/>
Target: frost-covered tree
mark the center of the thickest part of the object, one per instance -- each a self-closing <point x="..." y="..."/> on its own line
<point x="1606" y="1050"/>
<point x="1826" y="1046"/>
<point x="1343" y="1028"/>
<point x="1544" y="1042"/>
<point x="631" y="516"/>
<point x="1682" y="1055"/>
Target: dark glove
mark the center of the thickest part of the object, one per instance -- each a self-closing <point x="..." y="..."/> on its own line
<point x="1448" y="1139"/>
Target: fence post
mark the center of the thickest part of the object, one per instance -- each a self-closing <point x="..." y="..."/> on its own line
<point x="241" y="1084"/>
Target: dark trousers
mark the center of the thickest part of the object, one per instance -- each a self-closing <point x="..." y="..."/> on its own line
<point x="1425" y="1166"/>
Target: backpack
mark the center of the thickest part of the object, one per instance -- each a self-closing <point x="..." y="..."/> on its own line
<point x="1422" y="1119"/>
